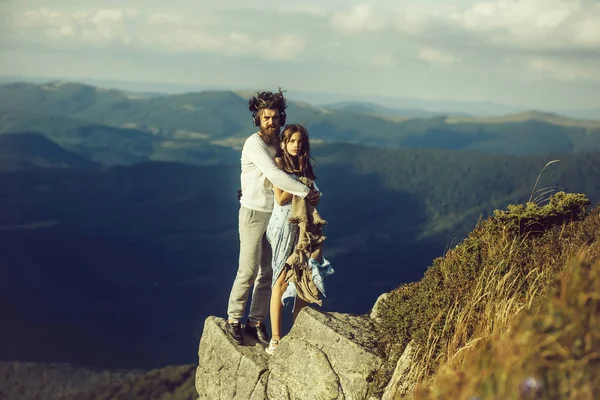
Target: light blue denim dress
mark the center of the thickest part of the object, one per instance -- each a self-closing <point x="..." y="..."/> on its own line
<point x="282" y="236"/>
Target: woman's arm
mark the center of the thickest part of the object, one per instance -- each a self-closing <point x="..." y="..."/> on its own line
<point x="282" y="197"/>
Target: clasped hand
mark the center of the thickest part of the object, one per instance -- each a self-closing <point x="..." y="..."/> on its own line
<point x="313" y="197"/>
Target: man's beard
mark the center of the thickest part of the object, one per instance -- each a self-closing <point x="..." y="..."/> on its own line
<point x="270" y="135"/>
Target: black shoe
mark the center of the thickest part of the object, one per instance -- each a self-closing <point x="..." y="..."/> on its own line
<point x="259" y="333"/>
<point x="234" y="331"/>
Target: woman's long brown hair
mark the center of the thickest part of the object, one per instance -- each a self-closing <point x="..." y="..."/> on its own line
<point x="301" y="164"/>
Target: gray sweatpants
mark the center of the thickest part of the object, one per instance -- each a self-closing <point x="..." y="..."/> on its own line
<point x="254" y="267"/>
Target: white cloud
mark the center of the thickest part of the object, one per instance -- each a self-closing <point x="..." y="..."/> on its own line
<point x="163" y="18"/>
<point x="158" y="31"/>
<point x="436" y="56"/>
<point x="556" y="38"/>
<point x="522" y="19"/>
<point x="132" y="13"/>
<point x="384" y="61"/>
<point x="360" y="18"/>
<point x="63" y="31"/>
<point x="546" y="42"/>
<point x="549" y="23"/>
<point x="178" y="34"/>
<point x="99" y="27"/>
<point x="311" y="10"/>
<point x="240" y="38"/>
<point x="413" y="22"/>
<point x="107" y="16"/>
<point x="586" y="31"/>
<point x="285" y="47"/>
<point x="561" y="70"/>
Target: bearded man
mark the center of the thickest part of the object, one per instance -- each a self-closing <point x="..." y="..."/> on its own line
<point x="258" y="174"/>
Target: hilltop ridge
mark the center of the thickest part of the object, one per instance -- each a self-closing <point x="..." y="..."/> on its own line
<point x="205" y="121"/>
<point x="533" y="115"/>
<point x="35" y="150"/>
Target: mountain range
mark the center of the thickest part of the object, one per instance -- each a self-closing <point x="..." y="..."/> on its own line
<point x="325" y="99"/>
<point x="204" y="127"/>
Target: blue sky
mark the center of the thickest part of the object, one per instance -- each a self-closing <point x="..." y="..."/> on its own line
<point x="537" y="53"/>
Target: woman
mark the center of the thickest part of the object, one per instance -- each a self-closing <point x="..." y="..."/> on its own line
<point x="283" y="235"/>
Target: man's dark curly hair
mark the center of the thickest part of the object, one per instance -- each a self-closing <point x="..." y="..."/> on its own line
<point x="271" y="100"/>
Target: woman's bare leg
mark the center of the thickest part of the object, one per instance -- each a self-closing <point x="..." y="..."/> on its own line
<point x="275" y="306"/>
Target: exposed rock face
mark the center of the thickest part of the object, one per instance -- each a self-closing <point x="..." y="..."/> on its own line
<point x="375" y="311"/>
<point x="325" y="356"/>
<point x="226" y="370"/>
<point x="399" y="386"/>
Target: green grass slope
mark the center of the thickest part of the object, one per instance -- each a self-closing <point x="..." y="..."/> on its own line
<point x="506" y="307"/>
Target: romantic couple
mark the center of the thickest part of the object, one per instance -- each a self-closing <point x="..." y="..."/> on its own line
<point x="279" y="226"/>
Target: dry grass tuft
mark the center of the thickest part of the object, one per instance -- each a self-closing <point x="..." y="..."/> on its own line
<point x="552" y="351"/>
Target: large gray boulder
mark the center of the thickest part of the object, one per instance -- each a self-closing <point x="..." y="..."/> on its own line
<point x="325" y="356"/>
<point x="376" y="310"/>
<point x="227" y="371"/>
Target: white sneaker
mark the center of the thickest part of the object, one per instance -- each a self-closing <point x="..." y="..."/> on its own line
<point x="272" y="346"/>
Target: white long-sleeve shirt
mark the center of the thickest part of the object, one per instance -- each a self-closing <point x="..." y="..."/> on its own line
<point x="259" y="173"/>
